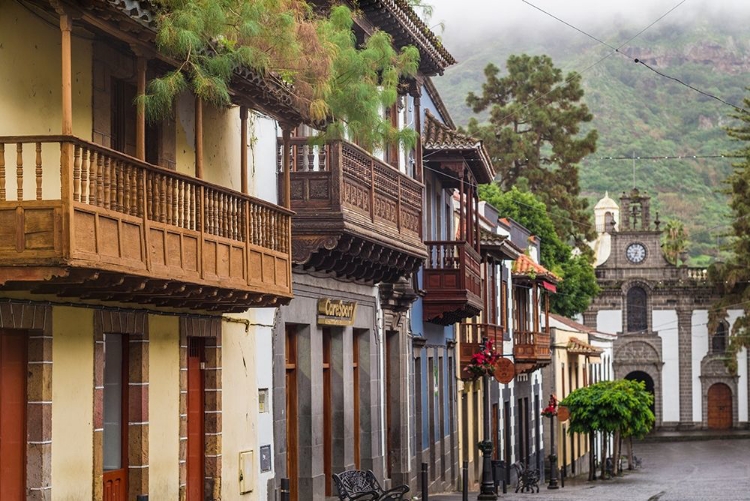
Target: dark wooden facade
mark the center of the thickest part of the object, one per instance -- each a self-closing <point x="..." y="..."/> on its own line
<point x="355" y="215"/>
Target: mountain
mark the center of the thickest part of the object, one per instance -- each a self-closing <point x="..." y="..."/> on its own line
<point x="641" y="114"/>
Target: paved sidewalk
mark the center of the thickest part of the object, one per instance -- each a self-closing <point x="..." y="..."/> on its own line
<point x="695" y="470"/>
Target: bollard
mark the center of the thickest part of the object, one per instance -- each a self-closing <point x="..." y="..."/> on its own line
<point x="284" y="489"/>
<point x="465" y="482"/>
<point x="425" y="486"/>
<point x="504" y="472"/>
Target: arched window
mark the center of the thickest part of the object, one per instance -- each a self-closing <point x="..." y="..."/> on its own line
<point x="637" y="310"/>
<point x="608" y="219"/>
<point x="719" y="339"/>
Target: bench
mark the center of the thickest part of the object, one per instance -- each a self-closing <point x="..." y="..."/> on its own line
<point x="528" y="478"/>
<point x="355" y="485"/>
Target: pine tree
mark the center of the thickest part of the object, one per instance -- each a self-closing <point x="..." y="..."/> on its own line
<point x="334" y="79"/>
<point x="534" y="138"/>
<point x="732" y="279"/>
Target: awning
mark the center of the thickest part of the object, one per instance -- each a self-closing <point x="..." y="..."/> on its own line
<point x="578" y="347"/>
<point x="550" y="287"/>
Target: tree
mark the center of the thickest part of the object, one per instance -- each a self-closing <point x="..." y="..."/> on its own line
<point x="533" y="136"/>
<point x="674" y="241"/>
<point x="579" y="281"/>
<point x="732" y="279"/>
<point x="317" y="56"/>
<point x="621" y="407"/>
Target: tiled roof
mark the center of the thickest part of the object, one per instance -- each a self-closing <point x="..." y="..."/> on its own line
<point x="437" y="136"/>
<point x="525" y="266"/>
<point x="571" y="323"/>
<point x="500" y="244"/>
<point x="398" y="19"/>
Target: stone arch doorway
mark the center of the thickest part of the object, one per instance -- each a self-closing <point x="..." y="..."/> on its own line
<point x="646" y="379"/>
<point x="719" y="403"/>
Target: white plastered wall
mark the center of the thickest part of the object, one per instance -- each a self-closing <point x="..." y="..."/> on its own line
<point x="699" y="348"/>
<point x="609" y="321"/>
<point x="665" y="325"/>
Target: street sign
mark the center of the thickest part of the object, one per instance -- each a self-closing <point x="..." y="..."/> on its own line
<point x="505" y="370"/>
<point x="563" y="413"/>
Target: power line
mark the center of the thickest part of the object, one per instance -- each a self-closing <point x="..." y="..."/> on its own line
<point x="636" y="60"/>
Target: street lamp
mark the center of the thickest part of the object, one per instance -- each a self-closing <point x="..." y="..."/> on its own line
<point x="551" y="411"/>
<point x="487" y="488"/>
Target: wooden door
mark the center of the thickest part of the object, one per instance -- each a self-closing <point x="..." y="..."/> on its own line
<point x="13" y="367"/>
<point x="719" y="407"/>
<point x="195" y="421"/>
<point x="115" y="409"/>
<point x="292" y="441"/>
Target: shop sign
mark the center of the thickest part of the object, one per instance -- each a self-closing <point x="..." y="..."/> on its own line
<point x="336" y="312"/>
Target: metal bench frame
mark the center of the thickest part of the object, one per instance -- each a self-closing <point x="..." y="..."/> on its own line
<point x="356" y="485"/>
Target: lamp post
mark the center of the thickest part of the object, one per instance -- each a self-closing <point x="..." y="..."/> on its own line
<point x="487" y="488"/>
<point x="553" y="452"/>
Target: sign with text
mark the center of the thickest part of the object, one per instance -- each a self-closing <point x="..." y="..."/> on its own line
<point x="336" y="312"/>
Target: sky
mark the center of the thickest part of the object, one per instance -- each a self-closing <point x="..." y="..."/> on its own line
<point x="466" y="19"/>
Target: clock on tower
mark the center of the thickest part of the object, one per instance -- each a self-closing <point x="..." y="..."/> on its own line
<point x="636" y="253"/>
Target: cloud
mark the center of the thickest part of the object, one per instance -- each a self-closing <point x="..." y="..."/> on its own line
<point x="467" y="20"/>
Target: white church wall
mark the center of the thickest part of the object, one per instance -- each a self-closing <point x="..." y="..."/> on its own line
<point x="664" y="322"/>
<point x="742" y="372"/>
<point x="699" y="348"/>
<point x="609" y="321"/>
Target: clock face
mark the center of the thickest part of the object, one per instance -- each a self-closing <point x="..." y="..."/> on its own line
<point x="635" y="253"/>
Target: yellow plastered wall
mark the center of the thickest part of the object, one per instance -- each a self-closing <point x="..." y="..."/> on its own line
<point x="72" y="403"/>
<point x="239" y="405"/>
<point x="221" y="142"/>
<point x="164" y="407"/>
<point x="30" y="90"/>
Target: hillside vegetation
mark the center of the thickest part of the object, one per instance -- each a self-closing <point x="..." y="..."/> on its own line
<point x="639" y="113"/>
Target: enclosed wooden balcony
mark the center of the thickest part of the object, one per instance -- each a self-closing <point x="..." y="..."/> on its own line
<point x="356" y="216"/>
<point x="80" y="220"/>
<point x="531" y="350"/>
<point x="452" y="282"/>
<point x="471" y="335"/>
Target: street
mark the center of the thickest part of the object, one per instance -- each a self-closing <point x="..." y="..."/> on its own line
<point x="671" y="471"/>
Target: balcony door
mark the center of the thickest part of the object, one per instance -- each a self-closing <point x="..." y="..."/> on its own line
<point x="13" y="368"/>
<point x="195" y="420"/>
<point x="115" y="417"/>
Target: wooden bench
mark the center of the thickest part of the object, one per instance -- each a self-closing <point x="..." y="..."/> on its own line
<point x="528" y="478"/>
<point x="362" y="485"/>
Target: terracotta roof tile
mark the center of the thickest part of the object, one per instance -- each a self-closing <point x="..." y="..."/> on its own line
<point x="525" y="266"/>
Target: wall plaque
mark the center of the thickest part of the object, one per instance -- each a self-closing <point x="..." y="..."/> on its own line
<point x="505" y="370"/>
<point x="265" y="458"/>
<point x="336" y="312"/>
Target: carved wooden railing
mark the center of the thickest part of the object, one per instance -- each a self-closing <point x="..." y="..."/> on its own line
<point x="340" y="175"/>
<point x="471" y="339"/>
<point x="88" y="182"/>
<point x="531" y="347"/>
<point x="452" y="279"/>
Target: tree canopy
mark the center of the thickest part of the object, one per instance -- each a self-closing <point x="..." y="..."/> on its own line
<point x="533" y="136"/>
<point x="579" y="284"/>
<point x="674" y="240"/>
<point x="316" y="54"/>
<point x="732" y="278"/>
<point x="609" y="406"/>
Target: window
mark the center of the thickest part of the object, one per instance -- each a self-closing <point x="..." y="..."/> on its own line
<point x="637" y="310"/>
<point x="719" y="339"/>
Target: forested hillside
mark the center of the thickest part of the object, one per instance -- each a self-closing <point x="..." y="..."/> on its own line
<point x="641" y="114"/>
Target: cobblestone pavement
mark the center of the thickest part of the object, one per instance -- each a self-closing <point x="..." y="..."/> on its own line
<point x="672" y="471"/>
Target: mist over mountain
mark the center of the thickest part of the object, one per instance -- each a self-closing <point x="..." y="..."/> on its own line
<point x="637" y="112"/>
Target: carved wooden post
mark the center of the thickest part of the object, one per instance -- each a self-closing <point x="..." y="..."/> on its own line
<point x="2" y="172"/>
<point x="418" y="167"/>
<point x="286" y="136"/>
<point x="243" y="149"/>
<point x="66" y="26"/>
<point x="198" y="137"/>
<point x="140" y="113"/>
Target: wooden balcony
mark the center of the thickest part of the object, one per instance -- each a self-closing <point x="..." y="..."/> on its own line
<point x="452" y="282"/>
<point x="471" y="335"/>
<point x="531" y="350"/>
<point x="80" y="220"/>
<point x="355" y="215"/>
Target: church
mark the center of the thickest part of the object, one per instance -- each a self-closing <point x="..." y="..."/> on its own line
<point x="659" y="312"/>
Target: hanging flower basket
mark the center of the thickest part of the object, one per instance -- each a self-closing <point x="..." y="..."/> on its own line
<point x="551" y="409"/>
<point x="482" y="363"/>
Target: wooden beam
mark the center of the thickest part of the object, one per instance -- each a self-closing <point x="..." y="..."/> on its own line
<point x="243" y="149"/>
<point x="66" y="26"/>
<point x="140" y="120"/>
<point x="198" y="137"/>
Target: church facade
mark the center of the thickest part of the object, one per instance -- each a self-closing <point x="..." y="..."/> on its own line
<point x="659" y="312"/>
